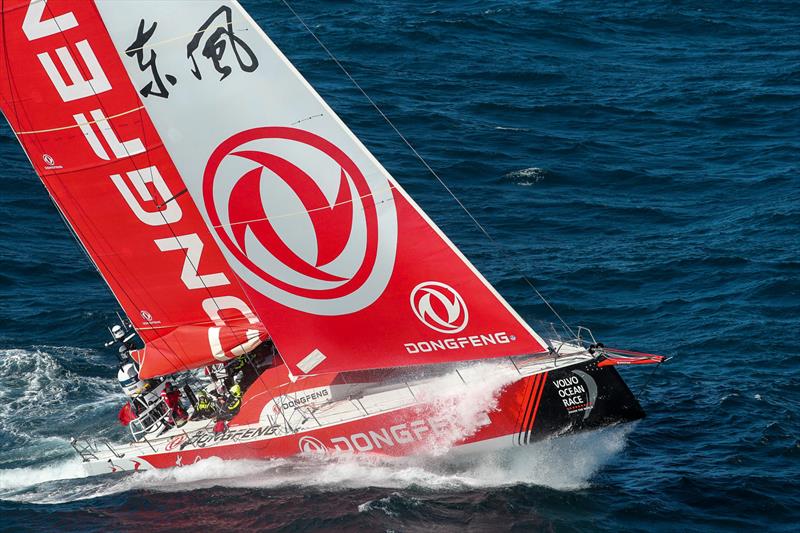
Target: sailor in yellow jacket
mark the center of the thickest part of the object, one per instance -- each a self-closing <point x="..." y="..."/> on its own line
<point x="204" y="407"/>
<point x="235" y="394"/>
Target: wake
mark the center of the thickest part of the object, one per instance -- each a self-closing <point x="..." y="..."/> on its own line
<point x="563" y="463"/>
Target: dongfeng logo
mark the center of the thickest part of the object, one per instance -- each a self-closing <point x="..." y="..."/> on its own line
<point x="300" y="221"/>
<point x="311" y="445"/>
<point x="439" y="307"/>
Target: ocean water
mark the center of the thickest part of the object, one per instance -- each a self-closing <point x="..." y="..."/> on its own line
<point x="637" y="160"/>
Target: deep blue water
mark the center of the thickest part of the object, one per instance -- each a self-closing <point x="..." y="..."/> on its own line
<point x="638" y="160"/>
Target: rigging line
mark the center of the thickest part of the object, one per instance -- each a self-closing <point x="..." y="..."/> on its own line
<point x="73" y="234"/>
<point x="89" y="123"/>
<point x="12" y="86"/>
<point x="643" y="389"/>
<point x="142" y="121"/>
<point x="17" y="134"/>
<point x="425" y="163"/>
<point x="185" y="35"/>
<point x="174" y="197"/>
<point x="142" y="115"/>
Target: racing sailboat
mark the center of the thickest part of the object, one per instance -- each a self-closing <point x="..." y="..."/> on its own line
<point x="241" y="224"/>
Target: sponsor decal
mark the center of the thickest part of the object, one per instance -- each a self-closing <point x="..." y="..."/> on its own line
<point x="175" y="442"/>
<point x="397" y="435"/>
<point x="215" y="40"/>
<point x="50" y="163"/>
<point x="148" y="319"/>
<point x="288" y="402"/>
<point x="577" y="391"/>
<point x="458" y="343"/>
<point x="439" y="307"/>
<point x="415" y="431"/>
<point x="311" y="445"/>
<point x="179" y="461"/>
<point x="206" y="438"/>
<point x="313" y="243"/>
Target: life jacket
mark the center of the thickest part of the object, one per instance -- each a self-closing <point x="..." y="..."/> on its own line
<point x="236" y="397"/>
<point x="203" y="404"/>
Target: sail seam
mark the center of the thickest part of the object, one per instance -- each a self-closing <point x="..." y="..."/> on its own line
<point x="184" y="36"/>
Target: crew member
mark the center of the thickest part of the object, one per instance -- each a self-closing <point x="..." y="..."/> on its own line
<point x="125" y="344"/>
<point x="172" y="397"/>
<point x="235" y="395"/>
<point x="203" y="408"/>
<point x="218" y="375"/>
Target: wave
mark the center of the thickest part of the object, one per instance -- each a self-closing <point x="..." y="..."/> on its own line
<point x="12" y="479"/>
<point x="527" y="176"/>
<point x="42" y="403"/>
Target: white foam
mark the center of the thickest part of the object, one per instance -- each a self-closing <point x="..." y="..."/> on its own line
<point x="527" y="176"/>
<point x="34" y="382"/>
<point x="20" y="478"/>
<point x="562" y="463"/>
<point x="466" y="406"/>
<point x="508" y="128"/>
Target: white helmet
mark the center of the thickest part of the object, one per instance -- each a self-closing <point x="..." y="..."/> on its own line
<point x="129" y="380"/>
<point x="118" y="332"/>
<point x="238" y="377"/>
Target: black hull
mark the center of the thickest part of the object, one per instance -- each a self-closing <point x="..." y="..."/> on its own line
<point x="577" y="398"/>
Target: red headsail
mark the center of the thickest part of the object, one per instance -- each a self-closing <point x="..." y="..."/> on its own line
<point x="67" y="96"/>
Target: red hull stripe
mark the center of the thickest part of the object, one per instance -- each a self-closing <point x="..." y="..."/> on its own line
<point x="538" y="384"/>
<point x="523" y="413"/>
<point x="535" y="410"/>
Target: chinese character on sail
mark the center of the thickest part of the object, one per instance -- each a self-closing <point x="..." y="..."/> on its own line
<point x="217" y="36"/>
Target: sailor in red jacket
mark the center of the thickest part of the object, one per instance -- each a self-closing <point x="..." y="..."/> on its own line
<point x="172" y="397"/>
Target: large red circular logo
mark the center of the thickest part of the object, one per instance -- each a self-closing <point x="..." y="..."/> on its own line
<point x="295" y="212"/>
